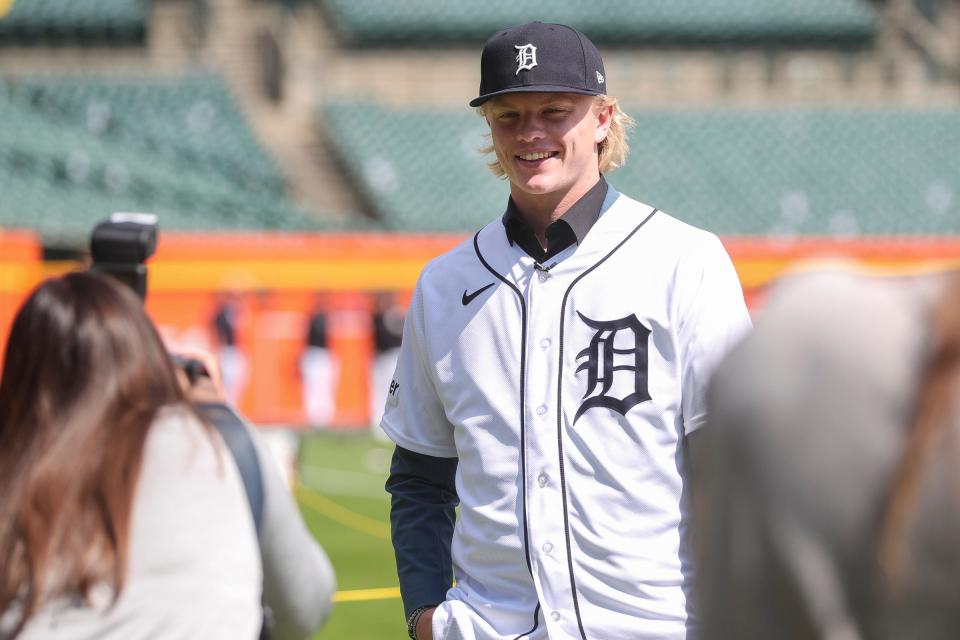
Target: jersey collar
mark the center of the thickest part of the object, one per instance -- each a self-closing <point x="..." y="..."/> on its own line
<point x="571" y="228"/>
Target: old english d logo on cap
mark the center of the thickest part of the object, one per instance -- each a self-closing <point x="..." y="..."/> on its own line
<point x="526" y="57"/>
<point x="539" y="57"/>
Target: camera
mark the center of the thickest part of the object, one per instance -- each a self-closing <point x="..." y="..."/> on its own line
<point x="121" y="245"/>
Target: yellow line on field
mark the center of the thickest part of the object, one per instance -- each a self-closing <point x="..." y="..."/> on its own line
<point x="346" y="517"/>
<point x="357" y="595"/>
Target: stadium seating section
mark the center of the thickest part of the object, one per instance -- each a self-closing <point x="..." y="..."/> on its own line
<point x="421" y="169"/>
<point x="803" y="172"/>
<point x="52" y="22"/>
<point x="643" y="22"/>
<point x="74" y="149"/>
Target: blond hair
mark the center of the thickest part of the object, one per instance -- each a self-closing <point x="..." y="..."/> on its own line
<point x="613" y="148"/>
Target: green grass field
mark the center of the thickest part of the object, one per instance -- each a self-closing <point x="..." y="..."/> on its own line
<point x="342" y="498"/>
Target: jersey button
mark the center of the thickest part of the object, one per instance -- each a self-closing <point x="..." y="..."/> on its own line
<point x="555" y="616"/>
<point x="541" y="410"/>
<point x="547" y="547"/>
<point x="543" y="277"/>
<point x="545" y="344"/>
<point x="543" y="479"/>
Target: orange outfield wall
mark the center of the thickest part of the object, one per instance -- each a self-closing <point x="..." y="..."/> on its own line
<point x="759" y="261"/>
<point x="20" y="255"/>
<point x="370" y="262"/>
<point x="276" y="280"/>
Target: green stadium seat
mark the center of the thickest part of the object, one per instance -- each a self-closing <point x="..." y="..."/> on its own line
<point x="786" y="173"/>
<point x="156" y="117"/>
<point x="646" y="22"/>
<point x="53" y="22"/>
<point x="74" y="149"/>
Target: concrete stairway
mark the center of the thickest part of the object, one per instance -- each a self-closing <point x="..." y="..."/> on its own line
<point x="287" y="129"/>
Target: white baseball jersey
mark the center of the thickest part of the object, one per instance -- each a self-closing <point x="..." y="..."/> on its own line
<point x="566" y="395"/>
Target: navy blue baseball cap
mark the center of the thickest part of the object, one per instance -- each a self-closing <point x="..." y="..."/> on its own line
<point x="539" y="57"/>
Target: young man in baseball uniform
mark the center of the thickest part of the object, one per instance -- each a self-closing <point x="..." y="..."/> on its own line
<point x="552" y="378"/>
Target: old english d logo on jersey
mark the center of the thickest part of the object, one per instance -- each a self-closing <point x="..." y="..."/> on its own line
<point x="526" y="57"/>
<point x="618" y="348"/>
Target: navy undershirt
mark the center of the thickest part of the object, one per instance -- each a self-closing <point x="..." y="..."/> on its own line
<point x="422" y="514"/>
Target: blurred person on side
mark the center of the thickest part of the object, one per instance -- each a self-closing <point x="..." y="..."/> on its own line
<point x="832" y="509"/>
<point x="122" y="513"/>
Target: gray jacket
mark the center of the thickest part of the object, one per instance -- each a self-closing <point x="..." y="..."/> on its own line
<point x="194" y="567"/>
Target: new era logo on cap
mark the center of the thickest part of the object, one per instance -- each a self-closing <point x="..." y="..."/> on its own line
<point x="539" y="57"/>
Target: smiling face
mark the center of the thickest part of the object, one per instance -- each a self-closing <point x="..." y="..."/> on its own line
<point x="547" y="143"/>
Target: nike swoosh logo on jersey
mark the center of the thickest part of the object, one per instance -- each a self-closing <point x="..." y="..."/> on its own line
<point x="469" y="297"/>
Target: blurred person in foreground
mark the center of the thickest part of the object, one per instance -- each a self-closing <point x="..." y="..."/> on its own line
<point x="552" y="378"/>
<point x="832" y="508"/>
<point x="123" y="514"/>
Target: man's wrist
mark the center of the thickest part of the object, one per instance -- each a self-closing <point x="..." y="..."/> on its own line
<point x="424" y="628"/>
<point x="415" y="617"/>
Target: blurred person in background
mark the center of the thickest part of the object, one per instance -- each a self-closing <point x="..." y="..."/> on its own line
<point x="387" y="335"/>
<point x="232" y="361"/>
<point x="122" y="513"/>
<point x="831" y="508"/>
<point x="319" y="370"/>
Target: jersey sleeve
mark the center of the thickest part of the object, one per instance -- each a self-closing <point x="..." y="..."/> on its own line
<point x="712" y="318"/>
<point x="414" y="417"/>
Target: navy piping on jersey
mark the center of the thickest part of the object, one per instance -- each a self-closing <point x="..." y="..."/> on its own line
<point x="563" y="483"/>
<point x="523" y="449"/>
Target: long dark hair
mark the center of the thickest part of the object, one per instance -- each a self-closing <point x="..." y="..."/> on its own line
<point x="84" y="375"/>
<point x="934" y="411"/>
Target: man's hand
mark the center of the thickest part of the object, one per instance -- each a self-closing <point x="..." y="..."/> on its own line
<point x="424" y="628"/>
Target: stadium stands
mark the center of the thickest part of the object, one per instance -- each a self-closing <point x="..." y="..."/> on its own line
<point x="802" y="172"/>
<point x="57" y="22"/>
<point x="76" y="147"/>
<point x="192" y="119"/>
<point x="430" y="22"/>
<point x="788" y="172"/>
<point x="73" y="149"/>
<point x="421" y="170"/>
